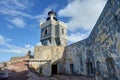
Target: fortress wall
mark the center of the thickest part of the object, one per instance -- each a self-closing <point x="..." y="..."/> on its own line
<point x="76" y="55"/>
<point x="106" y="36"/>
<point x="100" y="52"/>
<point x="47" y="56"/>
<point x="103" y="43"/>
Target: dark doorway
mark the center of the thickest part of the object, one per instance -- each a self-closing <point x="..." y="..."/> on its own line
<point x="111" y="68"/>
<point x="72" y="68"/>
<point x="40" y="70"/>
<point x="54" y="69"/>
<point x="98" y="67"/>
<point x="89" y="66"/>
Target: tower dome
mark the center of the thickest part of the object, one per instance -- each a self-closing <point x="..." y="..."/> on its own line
<point x="51" y="15"/>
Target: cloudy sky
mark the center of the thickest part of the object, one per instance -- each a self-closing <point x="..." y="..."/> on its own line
<point x="19" y="22"/>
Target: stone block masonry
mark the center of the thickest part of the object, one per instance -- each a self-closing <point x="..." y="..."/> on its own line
<point x="45" y="57"/>
<point x="98" y="54"/>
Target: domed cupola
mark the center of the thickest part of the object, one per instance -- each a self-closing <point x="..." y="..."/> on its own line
<point x="51" y="15"/>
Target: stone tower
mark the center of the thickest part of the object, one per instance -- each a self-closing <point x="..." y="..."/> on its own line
<point x="53" y="32"/>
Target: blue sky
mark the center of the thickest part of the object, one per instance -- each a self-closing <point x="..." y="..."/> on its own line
<point x="19" y="22"/>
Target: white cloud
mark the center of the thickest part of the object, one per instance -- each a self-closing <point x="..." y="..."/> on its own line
<point x="13" y="48"/>
<point x="15" y="4"/>
<point x="27" y="46"/>
<point x="10" y="26"/>
<point x="18" y="22"/>
<point x="17" y="49"/>
<point x="42" y="16"/>
<point x="74" y="37"/>
<point x="83" y="14"/>
<point x="14" y="12"/>
<point x="4" y="40"/>
<point x="14" y="9"/>
<point x="38" y="44"/>
<point x="21" y="4"/>
<point x="18" y="17"/>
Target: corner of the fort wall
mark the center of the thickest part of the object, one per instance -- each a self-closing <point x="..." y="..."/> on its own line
<point x="76" y="55"/>
<point x="102" y="44"/>
<point x="46" y="56"/>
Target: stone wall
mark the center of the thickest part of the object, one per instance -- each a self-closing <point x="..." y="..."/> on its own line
<point x="102" y="46"/>
<point x="18" y="59"/>
<point x="45" y="57"/>
<point x="98" y="54"/>
<point x="76" y="54"/>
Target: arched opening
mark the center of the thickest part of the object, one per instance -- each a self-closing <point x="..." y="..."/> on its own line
<point x="81" y="63"/>
<point x="62" y="31"/>
<point x="72" y="68"/>
<point x="90" y="70"/>
<point x="54" y="69"/>
<point x="45" y="31"/>
<point x="98" y="67"/>
<point x="40" y="70"/>
<point x="111" y="68"/>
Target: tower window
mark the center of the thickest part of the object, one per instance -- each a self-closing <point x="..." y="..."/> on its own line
<point x="45" y="31"/>
<point x="62" y="31"/>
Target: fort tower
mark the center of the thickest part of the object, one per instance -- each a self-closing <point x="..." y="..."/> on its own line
<point x="53" y="32"/>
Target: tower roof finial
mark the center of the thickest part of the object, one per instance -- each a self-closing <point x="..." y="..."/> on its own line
<point x="51" y="12"/>
<point x="51" y="15"/>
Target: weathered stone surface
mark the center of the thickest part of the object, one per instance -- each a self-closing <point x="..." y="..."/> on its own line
<point x="99" y="53"/>
<point x="102" y="44"/>
<point x="47" y="55"/>
<point x="19" y="59"/>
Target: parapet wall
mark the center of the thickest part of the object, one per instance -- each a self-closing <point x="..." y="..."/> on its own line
<point x="17" y="59"/>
